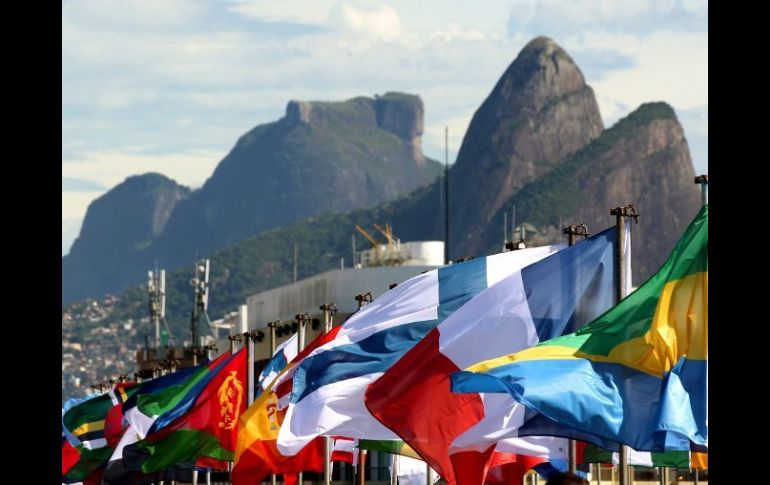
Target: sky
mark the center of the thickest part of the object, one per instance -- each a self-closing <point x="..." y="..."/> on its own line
<point x="169" y="86"/>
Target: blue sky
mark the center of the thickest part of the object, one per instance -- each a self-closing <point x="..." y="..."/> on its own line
<point x="169" y="86"/>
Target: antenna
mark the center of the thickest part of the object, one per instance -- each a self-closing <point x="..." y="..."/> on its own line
<point x="446" y="191"/>
<point x="513" y="223"/>
<point x="505" y="228"/>
<point x="200" y="284"/>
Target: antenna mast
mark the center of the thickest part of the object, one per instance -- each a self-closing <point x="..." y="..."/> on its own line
<point x="200" y="284"/>
<point x="446" y="192"/>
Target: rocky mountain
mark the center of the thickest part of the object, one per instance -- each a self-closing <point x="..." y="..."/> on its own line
<point x="536" y="142"/>
<point x="320" y="157"/>
<point x="125" y="220"/>
<point x="643" y="159"/>
<point x="539" y="112"/>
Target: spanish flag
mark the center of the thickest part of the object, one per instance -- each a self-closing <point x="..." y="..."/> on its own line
<point x="256" y="453"/>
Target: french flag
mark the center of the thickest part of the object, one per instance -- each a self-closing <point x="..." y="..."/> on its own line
<point x="457" y="432"/>
<point x="328" y="388"/>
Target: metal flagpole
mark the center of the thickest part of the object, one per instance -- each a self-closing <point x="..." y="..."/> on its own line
<point x="572" y="232"/>
<point x="301" y="319"/>
<point x="663" y="475"/>
<point x="703" y="180"/>
<point x="249" y="336"/>
<point x="271" y="326"/>
<point x="446" y="195"/>
<point x="362" y="300"/>
<point x="624" y="245"/>
<point x="328" y="313"/>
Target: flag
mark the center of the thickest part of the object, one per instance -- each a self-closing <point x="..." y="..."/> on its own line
<point x="542" y="300"/>
<point x="673" y="459"/>
<point x="344" y="449"/>
<point x="69" y="455"/>
<point x="508" y="468"/>
<point x="635" y="375"/>
<point x="93" y="426"/>
<point x="208" y="427"/>
<point x="164" y="399"/>
<point x="394" y="447"/>
<point x="410" y="467"/>
<point x="329" y="384"/>
<point x="256" y="452"/>
<point x="84" y="423"/>
<point x="284" y="354"/>
<point x="411" y="471"/>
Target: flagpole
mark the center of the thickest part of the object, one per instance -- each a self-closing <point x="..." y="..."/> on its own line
<point x="232" y="339"/>
<point x="446" y="195"/>
<point x="622" y="272"/>
<point x="271" y="326"/>
<point x="300" y="347"/>
<point x="572" y="232"/>
<point x="703" y="181"/>
<point x="362" y="300"/>
<point x="328" y="312"/>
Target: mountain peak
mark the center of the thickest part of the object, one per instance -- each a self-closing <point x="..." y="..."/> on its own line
<point x="541" y="43"/>
<point x="539" y="112"/>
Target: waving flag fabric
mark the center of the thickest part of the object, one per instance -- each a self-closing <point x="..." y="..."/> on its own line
<point x="284" y="353"/>
<point x="93" y="426"/>
<point x="329" y="384"/>
<point x="542" y="300"/>
<point x="673" y="459"/>
<point x="69" y="455"/>
<point x="637" y="374"/>
<point x="168" y="397"/>
<point x="344" y="449"/>
<point x="256" y="453"/>
<point x="207" y="429"/>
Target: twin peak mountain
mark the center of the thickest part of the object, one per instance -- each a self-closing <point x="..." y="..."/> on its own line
<point x="536" y="142"/>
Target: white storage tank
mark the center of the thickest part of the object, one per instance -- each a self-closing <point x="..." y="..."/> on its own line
<point x="423" y="253"/>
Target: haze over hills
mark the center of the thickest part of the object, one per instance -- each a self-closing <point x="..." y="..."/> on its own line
<point x="537" y="142"/>
<point x="320" y="157"/>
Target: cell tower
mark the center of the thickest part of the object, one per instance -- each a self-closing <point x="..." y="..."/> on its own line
<point x="200" y="284"/>
<point x="156" y="289"/>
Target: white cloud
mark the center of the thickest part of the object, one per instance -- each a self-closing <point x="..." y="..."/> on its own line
<point x="303" y="11"/>
<point x="576" y="17"/>
<point x="187" y="81"/>
<point x="668" y="66"/>
<point x="380" y="22"/>
<point x="109" y="168"/>
<point x="131" y="15"/>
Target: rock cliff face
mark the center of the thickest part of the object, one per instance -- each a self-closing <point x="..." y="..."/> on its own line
<point x="539" y="112"/>
<point x="643" y="159"/>
<point x="537" y="142"/>
<point x="123" y="221"/>
<point x="320" y="157"/>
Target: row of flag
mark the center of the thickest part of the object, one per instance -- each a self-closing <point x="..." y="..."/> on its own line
<point x="483" y="369"/>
